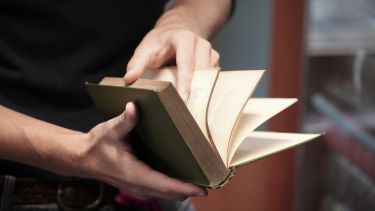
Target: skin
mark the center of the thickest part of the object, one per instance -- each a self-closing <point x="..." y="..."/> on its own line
<point x="104" y="153"/>
<point x="181" y="35"/>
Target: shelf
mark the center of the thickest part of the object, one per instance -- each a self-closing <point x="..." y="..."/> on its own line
<point x="341" y="27"/>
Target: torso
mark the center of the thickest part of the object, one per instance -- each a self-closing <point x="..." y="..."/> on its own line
<point x="49" y="48"/>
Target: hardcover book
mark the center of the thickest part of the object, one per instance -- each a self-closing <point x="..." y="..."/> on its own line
<point x="203" y="140"/>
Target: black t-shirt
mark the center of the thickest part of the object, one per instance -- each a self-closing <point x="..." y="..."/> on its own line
<point x="49" y="48"/>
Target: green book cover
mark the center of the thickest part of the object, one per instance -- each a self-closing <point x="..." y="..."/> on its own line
<point x="166" y="137"/>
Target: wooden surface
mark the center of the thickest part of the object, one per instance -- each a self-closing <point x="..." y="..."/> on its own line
<point x="268" y="184"/>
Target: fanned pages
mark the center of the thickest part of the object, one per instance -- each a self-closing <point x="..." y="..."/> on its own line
<point x="232" y="91"/>
<point x="203" y="140"/>
<point x="255" y="113"/>
<point x="261" y="144"/>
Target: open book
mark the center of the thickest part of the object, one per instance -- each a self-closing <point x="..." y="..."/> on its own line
<point x="203" y="140"/>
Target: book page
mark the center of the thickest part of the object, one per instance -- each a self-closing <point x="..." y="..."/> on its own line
<point x="200" y="92"/>
<point x="232" y="91"/>
<point x="165" y="74"/>
<point x="256" y="112"/>
<point x="261" y="144"/>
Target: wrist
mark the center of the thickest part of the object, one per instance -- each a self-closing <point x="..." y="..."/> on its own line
<point x="85" y="157"/>
<point x="177" y="18"/>
<point x="37" y="143"/>
<point x="203" y="18"/>
<point x="66" y="154"/>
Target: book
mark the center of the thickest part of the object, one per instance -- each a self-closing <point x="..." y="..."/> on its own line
<point x="204" y="140"/>
<point x="349" y="147"/>
<point x="348" y="133"/>
<point x="348" y="183"/>
<point x="330" y="203"/>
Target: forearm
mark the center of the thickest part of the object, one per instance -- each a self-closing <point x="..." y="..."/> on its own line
<point x="38" y="143"/>
<point x="103" y="154"/>
<point x="204" y="17"/>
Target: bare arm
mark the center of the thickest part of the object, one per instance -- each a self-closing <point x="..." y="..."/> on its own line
<point x="203" y="17"/>
<point x="38" y="143"/>
<point x="181" y="34"/>
<point x="103" y="153"/>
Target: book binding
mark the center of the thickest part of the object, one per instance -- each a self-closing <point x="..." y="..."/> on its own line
<point x="229" y="177"/>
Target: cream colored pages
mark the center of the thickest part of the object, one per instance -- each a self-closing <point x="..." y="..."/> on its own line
<point x="165" y="74"/>
<point x="201" y="88"/>
<point x="256" y="112"/>
<point x="260" y="144"/>
<point x="232" y="91"/>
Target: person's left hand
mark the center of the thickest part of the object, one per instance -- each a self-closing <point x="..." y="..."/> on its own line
<point x="165" y="44"/>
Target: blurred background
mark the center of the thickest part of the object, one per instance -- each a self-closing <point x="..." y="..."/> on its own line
<point x="322" y="52"/>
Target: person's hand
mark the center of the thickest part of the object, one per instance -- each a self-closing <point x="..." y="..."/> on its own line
<point x="169" y="43"/>
<point x="180" y="35"/>
<point x="109" y="158"/>
<point x="104" y="154"/>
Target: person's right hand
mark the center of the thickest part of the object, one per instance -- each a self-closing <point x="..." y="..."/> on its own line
<point x="109" y="158"/>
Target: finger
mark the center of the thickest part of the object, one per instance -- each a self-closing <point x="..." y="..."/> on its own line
<point x="215" y="58"/>
<point x="143" y="55"/>
<point x="165" y="187"/>
<point x="154" y="57"/>
<point x="185" y="56"/>
<point x="161" y="57"/>
<point x="203" y="53"/>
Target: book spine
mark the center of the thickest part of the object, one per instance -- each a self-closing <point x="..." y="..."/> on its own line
<point x="347" y="136"/>
<point x="347" y="146"/>
<point x="330" y="203"/>
<point x="209" y="161"/>
<point x="229" y="177"/>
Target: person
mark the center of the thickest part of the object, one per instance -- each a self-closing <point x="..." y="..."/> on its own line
<point x="50" y="132"/>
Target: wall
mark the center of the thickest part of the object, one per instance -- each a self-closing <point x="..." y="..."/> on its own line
<point x="267" y="184"/>
<point x="245" y="41"/>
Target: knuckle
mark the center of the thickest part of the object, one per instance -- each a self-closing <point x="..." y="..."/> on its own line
<point x="187" y="35"/>
<point x="164" y="189"/>
<point x="152" y="58"/>
<point x="155" y="56"/>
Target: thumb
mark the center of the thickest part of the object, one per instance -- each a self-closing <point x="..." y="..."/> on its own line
<point x="126" y="121"/>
